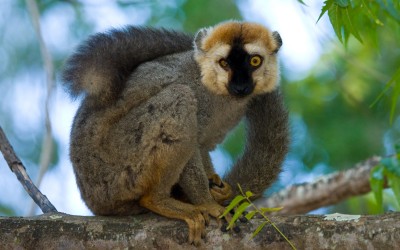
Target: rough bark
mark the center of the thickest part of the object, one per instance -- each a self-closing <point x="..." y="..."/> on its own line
<point x="149" y="231"/>
<point x="326" y="190"/>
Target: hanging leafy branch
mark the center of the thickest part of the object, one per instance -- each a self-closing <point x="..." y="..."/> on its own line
<point x="342" y="18"/>
<point x="362" y="19"/>
<point x="356" y="17"/>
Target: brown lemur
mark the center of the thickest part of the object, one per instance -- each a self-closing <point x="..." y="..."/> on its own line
<point x="157" y="101"/>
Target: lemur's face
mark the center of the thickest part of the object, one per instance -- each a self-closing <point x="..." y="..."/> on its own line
<point x="238" y="59"/>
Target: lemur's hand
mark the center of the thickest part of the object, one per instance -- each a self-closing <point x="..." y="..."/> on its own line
<point x="220" y="190"/>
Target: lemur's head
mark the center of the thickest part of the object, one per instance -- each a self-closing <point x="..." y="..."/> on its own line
<point x="238" y="58"/>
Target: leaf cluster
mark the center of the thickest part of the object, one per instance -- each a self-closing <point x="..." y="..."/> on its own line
<point x="362" y="19"/>
<point x="241" y="203"/>
<point x="349" y="17"/>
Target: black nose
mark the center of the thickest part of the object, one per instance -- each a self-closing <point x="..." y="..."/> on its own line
<point x="240" y="90"/>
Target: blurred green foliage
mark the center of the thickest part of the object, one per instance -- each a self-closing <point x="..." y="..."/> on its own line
<point x="6" y="210"/>
<point x="365" y="20"/>
<point x="206" y="13"/>
<point x="332" y="121"/>
<point x="375" y="24"/>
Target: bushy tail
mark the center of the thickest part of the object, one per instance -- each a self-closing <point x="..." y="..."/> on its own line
<point x="102" y="64"/>
<point x="266" y="147"/>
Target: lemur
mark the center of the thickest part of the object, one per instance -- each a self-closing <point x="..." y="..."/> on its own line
<point x="156" y="102"/>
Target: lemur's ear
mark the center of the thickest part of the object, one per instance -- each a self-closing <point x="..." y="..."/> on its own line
<point x="278" y="41"/>
<point x="199" y="37"/>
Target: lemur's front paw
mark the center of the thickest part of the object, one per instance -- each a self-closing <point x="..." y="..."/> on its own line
<point x="197" y="222"/>
<point x="213" y="209"/>
<point x="220" y="190"/>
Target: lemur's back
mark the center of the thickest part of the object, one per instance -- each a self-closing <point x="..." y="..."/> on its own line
<point x="216" y="114"/>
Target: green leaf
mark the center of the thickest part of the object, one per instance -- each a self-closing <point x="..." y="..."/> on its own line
<point x="270" y="209"/>
<point x="249" y="194"/>
<point x="335" y="16"/>
<point x="342" y="3"/>
<point x="232" y="205"/>
<point x="370" y="13"/>
<point x="238" y="213"/>
<point x="325" y="8"/>
<point x="250" y="214"/>
<point x="346" y="35"/>
<point x="376" y="181"/>
<point x="394" y="183"/>
<point x="349" y="22"/>
<point x="301" y="1"/>
<point x="259" y="228"/>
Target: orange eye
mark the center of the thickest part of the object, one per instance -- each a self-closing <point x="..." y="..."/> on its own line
<point x="255" y="61"/>
<point x="223" y="63"/>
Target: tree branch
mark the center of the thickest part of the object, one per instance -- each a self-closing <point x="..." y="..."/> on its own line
<point x="18" y="169"/>
<point x="149" y="231"/>
<point x="47" y="143"/>
<point x="327" y="190"/>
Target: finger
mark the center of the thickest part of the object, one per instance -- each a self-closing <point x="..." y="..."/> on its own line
<point x="206" y="218"/>
<point x="191" y="226"/>
<point x="228" y="218"/>
<point x="201" y="233"/>
<point x="197" y="231"/>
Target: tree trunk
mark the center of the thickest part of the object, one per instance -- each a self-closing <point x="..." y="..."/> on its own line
<point x="149" y="231"/>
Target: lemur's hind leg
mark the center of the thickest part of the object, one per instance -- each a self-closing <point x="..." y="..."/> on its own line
<point x="195" y="185"/>
<point x="175" y="125"/>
